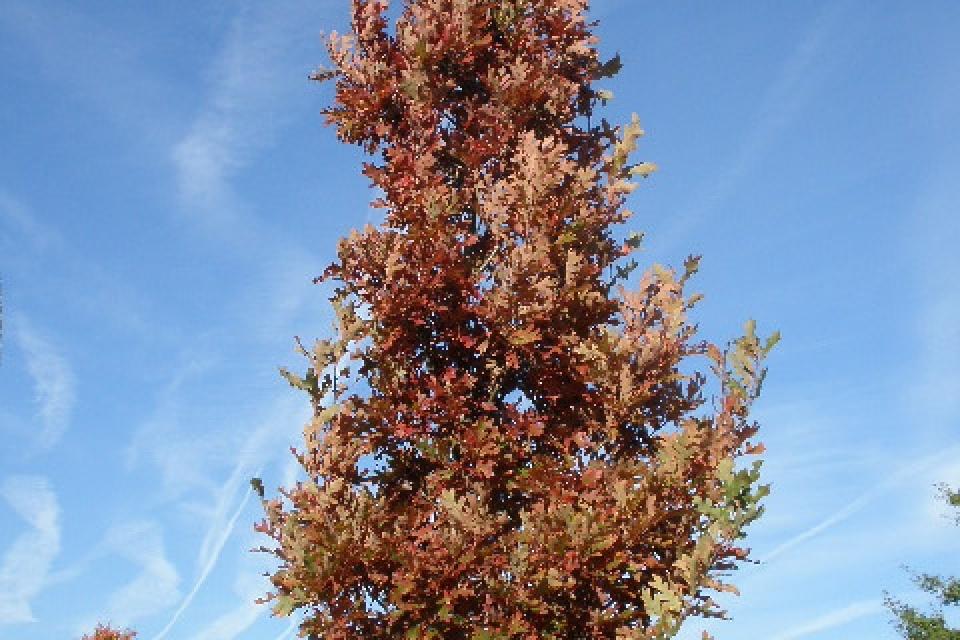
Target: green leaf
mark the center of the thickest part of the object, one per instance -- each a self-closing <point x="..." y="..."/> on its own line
<point x="610" y="68"/>
<point x="308" y="383"/>
<point x="257" y="485"/>
<point x="634" y="239"/>
<point x="623" y="272"/>
<point x="521" y="337"/>
<point x="411" y="87"/>
<point x="420" y="50"/>
<point x="771" y="342"/>
<point x="623" y="148"/>
<point x="293" y="379"/>
<point x="284" y="606"/>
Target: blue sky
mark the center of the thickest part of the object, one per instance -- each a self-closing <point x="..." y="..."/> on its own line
<point x="167" y="192"/>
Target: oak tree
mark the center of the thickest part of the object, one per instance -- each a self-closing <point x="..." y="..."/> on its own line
<point x="106" y="632"/>
<point x="535" y="451"/>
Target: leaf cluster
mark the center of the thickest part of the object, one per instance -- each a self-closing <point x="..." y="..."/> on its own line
<point x="106" y="632"/>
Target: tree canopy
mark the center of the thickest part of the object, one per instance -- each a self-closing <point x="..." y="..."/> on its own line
<point x="106" y="632"/>
<point x="506" y="443"/>
<point x="914" y="624"/>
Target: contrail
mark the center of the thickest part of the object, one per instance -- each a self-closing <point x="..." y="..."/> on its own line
<point x="833" y="619"/>
<point x="779" y="106"/>
<point x="288" y="632"/>
<point x="891" y="482"/>
<point x="208" y="567"/>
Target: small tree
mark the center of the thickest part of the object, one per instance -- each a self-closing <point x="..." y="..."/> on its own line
<point x="105" y="632"/>
<point x="533" y="455"/>
<point x="915" y="625"/>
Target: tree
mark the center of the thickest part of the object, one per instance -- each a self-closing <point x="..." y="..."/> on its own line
<point x="915" y="625"/>
<point x="105" y="632"/>
<point x="532" y="453"/>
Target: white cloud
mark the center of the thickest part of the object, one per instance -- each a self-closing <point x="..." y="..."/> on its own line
<point x="231" y="624"/>
<point x="249" y="587"/>
<point x="905" y="474"/>
<point x="15" y="215"/>
<point x="213" y="544"/>
<point x="252" y="83"/>
<point x="778" y="107"/>
<point x="53" y="382"/>
<point x="292" y="471"/>
<point x="155" y="588"/>
<point x="934" y="516"/>
<point x="225" y="513"/>
<point x="290" y="630"/>
<point x="933" y="236"/>
<point x="833" y="619"/>
<point x="234" y="495"/>
<point x="27" y="561"/>
<point x="257" y="83"/>
<point x="31" y="245"/>
<point x="283" y="295"/>
<point x="183" y="458"/>
<point x="109" y="69"/>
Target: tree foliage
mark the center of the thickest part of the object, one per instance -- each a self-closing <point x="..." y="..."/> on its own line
<point x="916" y="625"/>
<point x="535" y="451"/>
<point x="105" y="632"/>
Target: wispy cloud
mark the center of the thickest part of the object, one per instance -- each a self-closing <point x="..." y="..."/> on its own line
<point x="248" y="587"/>
<point x="156" y="586"/>
<point x="231" y="624"/>
<point x="290" y="630"/>
<point x="217" y="539"/>
<point x="27" y="562"/>
<point x="291" y="472"/>
<point x="933" y="236"/>
<point x="905" y="473"/>
<point x="184" y="459"/>
<point x="53" y="381"/>
<point x="234" y="495"/>
<point x="232" y="499"/>
<point x="257" y="83"/>
<point x="32" y="244"/>
<point x="251" y="86"/>
<point x="833" y="619"/>
<point x="16" y="217"/>
<point x="192" y="457"/>
<point x="780" y="104"/>
<point x="110" y="72"/>
<point x="283" y="293"/>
